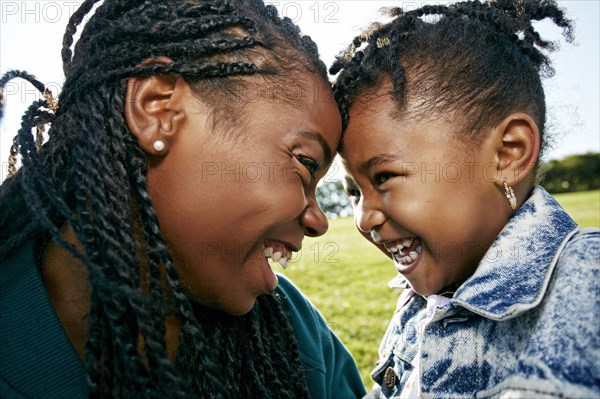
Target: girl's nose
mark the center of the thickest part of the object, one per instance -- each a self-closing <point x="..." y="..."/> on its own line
<point x="367" y="217"/>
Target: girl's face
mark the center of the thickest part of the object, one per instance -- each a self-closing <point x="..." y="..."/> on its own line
<point x="424" y="198"/>
<point x="222" y="201"/>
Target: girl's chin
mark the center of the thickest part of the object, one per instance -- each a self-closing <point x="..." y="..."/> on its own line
<point x="425" y="290"/>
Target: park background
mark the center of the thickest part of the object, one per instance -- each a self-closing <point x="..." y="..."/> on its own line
<point x="342" y="274"/>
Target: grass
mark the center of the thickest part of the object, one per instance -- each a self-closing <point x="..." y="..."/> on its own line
<point x="346" y="278"/>
<point x="584" y="207"/>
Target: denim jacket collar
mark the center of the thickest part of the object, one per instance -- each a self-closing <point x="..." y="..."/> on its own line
<point x="515" y="272"/>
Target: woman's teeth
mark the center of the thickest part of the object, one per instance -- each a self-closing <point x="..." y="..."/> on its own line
<point x="277" y="256"/>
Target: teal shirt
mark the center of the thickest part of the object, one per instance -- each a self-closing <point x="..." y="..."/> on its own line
<point x="38" y="361"/>
<point x="330" y="369"/>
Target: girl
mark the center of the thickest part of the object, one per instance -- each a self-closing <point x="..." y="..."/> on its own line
<point x="135" y="242"/>
<point x="444" y="124"/>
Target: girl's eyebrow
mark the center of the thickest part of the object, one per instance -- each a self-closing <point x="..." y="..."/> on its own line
<point x="319" y="139"/>
<point x="377" y="160"/>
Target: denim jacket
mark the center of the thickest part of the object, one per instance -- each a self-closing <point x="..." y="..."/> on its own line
<point x="526" y="324"/>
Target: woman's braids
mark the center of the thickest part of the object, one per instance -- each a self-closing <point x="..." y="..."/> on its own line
<point x="91" y="174"/>
<point x="478" y="60"/>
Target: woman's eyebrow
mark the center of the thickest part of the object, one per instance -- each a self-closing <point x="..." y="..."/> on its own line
<point x="319" y="139"/>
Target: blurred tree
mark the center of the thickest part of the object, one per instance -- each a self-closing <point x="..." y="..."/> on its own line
<point x="333" y="199"/>
<point x="573" y="173"/>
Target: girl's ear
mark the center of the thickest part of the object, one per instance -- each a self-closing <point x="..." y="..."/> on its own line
<point x="151" y="113"/>
<point x="518" y="148"/>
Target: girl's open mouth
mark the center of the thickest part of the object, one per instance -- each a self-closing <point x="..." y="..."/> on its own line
<point x="405" y="252"/>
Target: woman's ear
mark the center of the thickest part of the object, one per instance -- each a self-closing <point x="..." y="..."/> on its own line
<point x="518" y="148"/>
<point x="151" y="114"/>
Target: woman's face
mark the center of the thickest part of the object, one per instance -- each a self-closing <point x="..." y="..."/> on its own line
<point x="228" y="192"/>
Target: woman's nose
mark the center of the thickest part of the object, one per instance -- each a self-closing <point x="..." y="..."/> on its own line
<point x="313" y="220"/>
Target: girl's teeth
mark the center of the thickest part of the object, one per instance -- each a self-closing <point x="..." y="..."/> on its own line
<point x="276" y="256"/>
<point x="405" y="243"/>
<point x="409" y="258"/>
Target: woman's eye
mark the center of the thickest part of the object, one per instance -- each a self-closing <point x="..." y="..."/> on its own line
<point x="310" y="164"/>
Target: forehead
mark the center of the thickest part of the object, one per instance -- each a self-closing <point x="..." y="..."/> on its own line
<point x="306" y="105"/>
<point x="377" y="129"/>
<point x="317" y="108"/>
<point x="371" y="118"/>
<point x="300" y="102"/>
<point x="376" y="107"/>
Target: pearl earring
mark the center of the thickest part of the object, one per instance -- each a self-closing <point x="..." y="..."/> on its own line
<point x="510" y="194"/>
<point x="158" y="145"/>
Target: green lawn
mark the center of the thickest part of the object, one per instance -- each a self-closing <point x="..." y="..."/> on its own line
<point x="346" y="278"/>
<point x="584" y="206"/>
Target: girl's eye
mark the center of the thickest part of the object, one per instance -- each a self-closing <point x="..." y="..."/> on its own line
<point x="310" y="164"/>
<point x="353" y="192"/>
<point x="382" y="177"/>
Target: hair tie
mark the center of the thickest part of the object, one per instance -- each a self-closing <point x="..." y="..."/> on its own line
<point x="52" y="102"/>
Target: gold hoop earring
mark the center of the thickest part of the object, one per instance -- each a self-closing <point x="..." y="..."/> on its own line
<point x="510" y="194"/>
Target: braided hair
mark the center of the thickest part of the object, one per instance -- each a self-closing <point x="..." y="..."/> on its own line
<point x="481" y="60"/>
<point x="91" y="175"/>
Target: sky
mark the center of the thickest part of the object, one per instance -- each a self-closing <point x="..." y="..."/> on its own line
<point x="31" y="36"/>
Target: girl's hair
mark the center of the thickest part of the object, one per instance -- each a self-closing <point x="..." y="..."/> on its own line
<point x="475" y="61"/>
<point x="91" y="174"/>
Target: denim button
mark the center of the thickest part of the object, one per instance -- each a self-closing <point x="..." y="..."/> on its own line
<point x="390" y="378"/>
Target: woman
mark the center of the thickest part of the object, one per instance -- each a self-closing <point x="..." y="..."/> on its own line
<point x="184" y="152"/>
